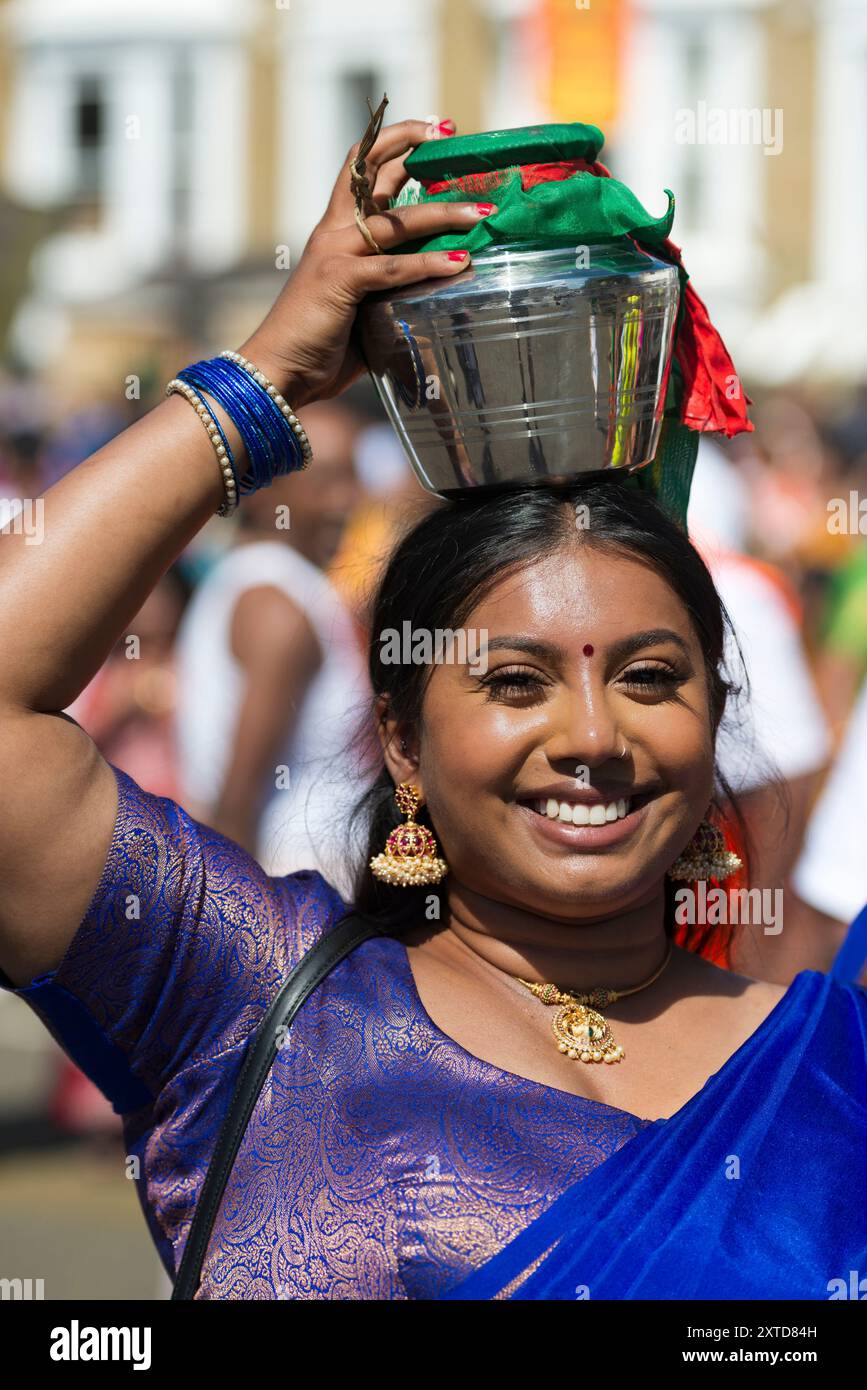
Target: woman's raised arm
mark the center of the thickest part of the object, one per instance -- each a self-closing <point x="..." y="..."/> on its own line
<point x="116" y="522"/>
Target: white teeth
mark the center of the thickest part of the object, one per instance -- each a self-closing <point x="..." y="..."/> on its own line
<point x="580" y="813"/>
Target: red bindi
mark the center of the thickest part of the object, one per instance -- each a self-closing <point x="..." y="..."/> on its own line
<point x="588" y="649"/>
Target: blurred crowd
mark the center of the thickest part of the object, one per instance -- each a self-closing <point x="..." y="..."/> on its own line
<point x="240" y="684"/>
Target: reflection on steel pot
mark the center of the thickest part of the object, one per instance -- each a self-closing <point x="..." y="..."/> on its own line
<point x="532" y="365"/>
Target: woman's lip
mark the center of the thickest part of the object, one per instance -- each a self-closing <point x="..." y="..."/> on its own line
<point x="586" y="836"/>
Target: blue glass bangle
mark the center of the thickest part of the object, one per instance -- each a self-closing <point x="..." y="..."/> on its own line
<point x="277" y="431"/>
<point x="258" y="455"/>
<point x="259" y="465"/>
<point x="272" y="446"/>
<point x="282" y="405"/>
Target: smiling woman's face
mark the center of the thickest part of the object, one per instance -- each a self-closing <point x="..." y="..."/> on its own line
<point x="589" y="651"/>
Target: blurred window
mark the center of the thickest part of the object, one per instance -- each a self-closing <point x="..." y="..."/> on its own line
<point x="695" y="81"/>
<point x="89" y="138"/>
<point x="181" y="154"/>
<point x="358" y="86"/>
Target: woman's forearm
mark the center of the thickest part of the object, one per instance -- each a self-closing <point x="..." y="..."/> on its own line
<point x="108" y="530"/>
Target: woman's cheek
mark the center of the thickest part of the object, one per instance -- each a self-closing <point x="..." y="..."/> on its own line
<point x="676" y="738"/>
<point x="470" y="752"/>
<point x="467" y="749"/>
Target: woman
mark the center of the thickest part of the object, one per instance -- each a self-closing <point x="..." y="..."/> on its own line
<point x="420" y="1115"/>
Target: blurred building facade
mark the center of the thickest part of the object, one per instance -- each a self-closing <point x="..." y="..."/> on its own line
<point x="177" y="148"/>
<point x="772" y="202"/>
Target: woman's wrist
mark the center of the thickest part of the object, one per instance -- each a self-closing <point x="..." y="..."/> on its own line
<point x="275" y="367"/>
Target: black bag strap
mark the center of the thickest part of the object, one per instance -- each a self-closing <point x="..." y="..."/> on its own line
<point x="328" y="951"/>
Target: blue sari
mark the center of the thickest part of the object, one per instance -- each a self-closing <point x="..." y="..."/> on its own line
<point x="755" y="1189"/>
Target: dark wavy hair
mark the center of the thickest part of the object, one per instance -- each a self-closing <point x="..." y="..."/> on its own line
<point x="448" y="562"/>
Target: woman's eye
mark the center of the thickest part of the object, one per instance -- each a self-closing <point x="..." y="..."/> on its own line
<point x="651" y="678"/>
<point x="509" y="684"/>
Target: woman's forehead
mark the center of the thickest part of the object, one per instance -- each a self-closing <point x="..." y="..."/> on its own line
<point x="582" y="594"/>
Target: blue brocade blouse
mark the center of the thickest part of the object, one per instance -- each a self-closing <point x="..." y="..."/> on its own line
<point x="382" y="1160"/>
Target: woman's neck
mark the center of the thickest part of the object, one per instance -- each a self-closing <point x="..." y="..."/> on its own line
<point x="615" y="952"/>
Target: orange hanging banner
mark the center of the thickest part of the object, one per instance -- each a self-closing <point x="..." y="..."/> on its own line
<point x="579" y="44"/>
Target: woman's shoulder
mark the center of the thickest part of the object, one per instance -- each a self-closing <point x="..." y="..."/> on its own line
<point x="172" y="886"/>
<point x="311" y="906"/>
<point x="812" y="1002"/>
<point x="221" y="890"/>
<point x="817" y="1022"/>
<point x="184" y="945"/>
<point x="814" y="985"/>
<point x="732" y="1004"/>
<point x="760" y="997"/>
<point x="716" y="981"/>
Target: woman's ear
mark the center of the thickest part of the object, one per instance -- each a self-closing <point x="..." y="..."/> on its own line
<point x="399" y="744"/>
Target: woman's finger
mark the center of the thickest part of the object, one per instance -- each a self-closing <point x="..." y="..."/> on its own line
<point x="362" y="275"/>
<point x="389" y="181"/>
<point x="392" y="174"/>
<point x="392" y="142"/>
<point x="395" y="226"/>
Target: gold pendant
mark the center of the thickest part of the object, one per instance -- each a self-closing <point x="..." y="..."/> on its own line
<point x="583" y="1034"/>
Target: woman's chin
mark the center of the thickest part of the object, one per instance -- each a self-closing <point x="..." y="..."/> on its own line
<point x="571" y="891"/>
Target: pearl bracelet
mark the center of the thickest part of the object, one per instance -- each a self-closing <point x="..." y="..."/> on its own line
<point x="281" y="404"/>
<point x="218" y="439"/>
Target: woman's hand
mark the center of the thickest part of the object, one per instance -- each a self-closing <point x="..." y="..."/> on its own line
<point x="303" y="344"/>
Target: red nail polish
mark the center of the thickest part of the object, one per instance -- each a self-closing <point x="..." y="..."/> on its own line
<point x="446" y="127"/>
<point x="485" y="209"/>
<point x="457" y="255"/>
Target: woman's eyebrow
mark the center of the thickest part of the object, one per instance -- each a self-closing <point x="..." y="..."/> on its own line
<point x="531" y="645"/>
<point x="651" y="638"/>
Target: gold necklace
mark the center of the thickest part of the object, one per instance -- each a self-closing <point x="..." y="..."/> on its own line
<point x="581" y="1031"/>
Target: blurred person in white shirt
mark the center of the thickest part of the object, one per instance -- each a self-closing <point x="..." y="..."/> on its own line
<point x="829" y="884"/>
<point x="775" y="741"/>
<point x="271" y="677"/>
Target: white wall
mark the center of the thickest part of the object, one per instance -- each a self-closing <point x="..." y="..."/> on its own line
<point x="514" y="98"/>
<point x="840" y="216"/>
<point x="719" y="210"/>
<point x="141" y="54"/>
<point x="320" y="44"/>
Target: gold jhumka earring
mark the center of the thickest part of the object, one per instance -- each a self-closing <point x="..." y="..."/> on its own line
<point x="706" y="856"/>
<point x="410" y="858"/>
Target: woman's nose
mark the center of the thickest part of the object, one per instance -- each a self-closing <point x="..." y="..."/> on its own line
<point x="584" y="730"/>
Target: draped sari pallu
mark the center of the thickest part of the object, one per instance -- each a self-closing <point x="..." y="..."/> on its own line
<point x="755" y="1189"/>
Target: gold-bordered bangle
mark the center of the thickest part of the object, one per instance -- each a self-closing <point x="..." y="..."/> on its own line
<point x="230" y="500"/>
<point x="283" y="406"/>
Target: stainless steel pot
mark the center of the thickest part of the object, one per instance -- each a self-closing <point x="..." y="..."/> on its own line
<point x="533" y="365"/>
